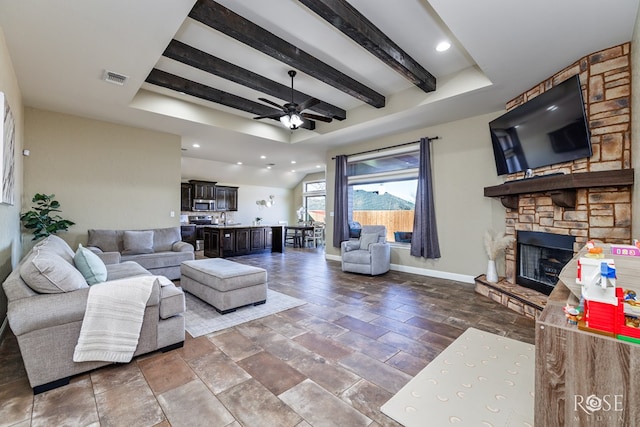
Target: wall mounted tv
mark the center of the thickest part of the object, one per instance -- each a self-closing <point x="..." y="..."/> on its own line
<point x="549" y="129"/>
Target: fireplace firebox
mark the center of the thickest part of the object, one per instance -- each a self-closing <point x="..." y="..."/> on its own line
<point x="540" y="258"/>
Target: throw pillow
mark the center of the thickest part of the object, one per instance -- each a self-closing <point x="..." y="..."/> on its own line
<point x="90" y="265"/>
<point x="137" y="242"/>
<point x="106" y="240"/>
<point x="53" y="243"/>
<point x="48" y="273"/>
<point x="366" y="239"/>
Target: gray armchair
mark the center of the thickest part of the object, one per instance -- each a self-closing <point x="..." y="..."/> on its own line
<point x="370" y="254"/>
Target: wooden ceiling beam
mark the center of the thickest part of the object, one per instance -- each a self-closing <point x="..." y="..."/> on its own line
<point x="352" y="23"/>
<point x="226" y="21"/>
<point x="180" y="84"/>
<point x="196" y="58"/>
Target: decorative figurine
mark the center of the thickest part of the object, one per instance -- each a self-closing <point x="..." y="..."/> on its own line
<point x="573" y="314"/>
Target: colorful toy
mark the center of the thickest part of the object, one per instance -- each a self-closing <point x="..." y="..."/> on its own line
<point x="598" y="280"/>
<point x="574" y="314"/>
<point x="608" y="308"/>
<point x="594" y="251"/>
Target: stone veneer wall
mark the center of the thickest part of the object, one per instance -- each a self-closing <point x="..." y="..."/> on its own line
<point x="600" y="213"/>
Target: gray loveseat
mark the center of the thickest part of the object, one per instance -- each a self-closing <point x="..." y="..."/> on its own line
<point x="159" y="250"/>
<point x="47" y="322"/>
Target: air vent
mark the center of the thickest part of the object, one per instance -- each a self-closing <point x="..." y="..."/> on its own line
<point x="115" y="78"/>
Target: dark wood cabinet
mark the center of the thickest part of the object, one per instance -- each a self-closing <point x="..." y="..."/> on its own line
<point x="227" y="242"/>
<point x="258" y="239"/>
<point x="226" y="198"/>
<point x="268" y="238"/>
<point x="188" y="234"/>
<point x="212" y="245"/>
<point x="203" y="189"/>
<point x="243" y="241"/>
<point x="186" y="196"/>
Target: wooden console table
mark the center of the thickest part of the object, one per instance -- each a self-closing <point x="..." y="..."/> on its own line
<point x="574" y="367"/>
<point x="562" y="188"/>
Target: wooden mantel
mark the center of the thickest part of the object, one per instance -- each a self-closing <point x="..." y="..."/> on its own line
<point x="562" y="188"/>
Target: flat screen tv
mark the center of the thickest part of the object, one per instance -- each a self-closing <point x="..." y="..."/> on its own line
<point x="549" y="129"/>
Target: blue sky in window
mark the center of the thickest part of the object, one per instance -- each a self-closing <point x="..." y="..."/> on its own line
<point x="405" y="190"/>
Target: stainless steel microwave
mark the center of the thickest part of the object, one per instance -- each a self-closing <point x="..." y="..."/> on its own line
<point x="203" y="205"/>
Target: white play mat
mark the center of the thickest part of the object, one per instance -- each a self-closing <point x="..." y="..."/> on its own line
<point x="481" y="379"/>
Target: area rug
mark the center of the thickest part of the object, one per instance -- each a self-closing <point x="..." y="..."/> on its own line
<point x="479" y="379"/>
<point x="201" y="318"/>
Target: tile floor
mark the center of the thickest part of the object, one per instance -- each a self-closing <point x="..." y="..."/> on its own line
<point x="331" y="362"/>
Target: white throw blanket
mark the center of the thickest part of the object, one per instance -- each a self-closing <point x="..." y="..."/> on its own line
<point x="113" y="319"/>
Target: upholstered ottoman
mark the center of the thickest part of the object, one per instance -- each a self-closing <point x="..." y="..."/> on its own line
<point x="224" y="284"/>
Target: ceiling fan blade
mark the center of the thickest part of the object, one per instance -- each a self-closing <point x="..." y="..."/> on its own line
<point x="271" y="103"/>
<point x="269" y="116"/>
<point x="308" y="104"/>
<point x="316" y="117"/>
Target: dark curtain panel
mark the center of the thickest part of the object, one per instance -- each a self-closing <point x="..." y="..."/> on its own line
<point x="341" y="203"/>
<point x="424" y="242"/>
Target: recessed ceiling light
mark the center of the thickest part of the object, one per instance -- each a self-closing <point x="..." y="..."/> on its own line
<point x="293" y="162"/>
<point x="442" y="46"/>
<point x="263" y="157"/>
<point x="293" y="170"/>
<point x="239" y="163"/>
<point x="268" y="167"/>
<point x="196" y="145"/>
<point x="318" y="166"/>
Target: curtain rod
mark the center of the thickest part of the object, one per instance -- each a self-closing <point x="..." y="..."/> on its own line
<point x="386" y="148"/>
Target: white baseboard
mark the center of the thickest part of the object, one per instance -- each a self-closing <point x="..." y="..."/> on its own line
<point x="421" y="271"/>
<point x="433" y="273"/>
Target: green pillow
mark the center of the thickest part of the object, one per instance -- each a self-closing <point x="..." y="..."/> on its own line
<point x="90" y="265"/>
<point x="366" y="239"/>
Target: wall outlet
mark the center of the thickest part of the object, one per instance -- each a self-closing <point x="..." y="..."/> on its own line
<point x="172" y="214"/>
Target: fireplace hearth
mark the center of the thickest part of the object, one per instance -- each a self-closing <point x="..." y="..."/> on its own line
<point x="540" y="258"/>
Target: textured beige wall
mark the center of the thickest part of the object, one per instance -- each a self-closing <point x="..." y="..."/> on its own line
<point x="10" y="241"/>
<point x="463" y="165"/>
<point x="104" y="175"/>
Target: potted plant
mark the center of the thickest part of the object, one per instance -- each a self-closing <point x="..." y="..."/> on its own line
<point x="495" y="243"/>
<point x="258" y="220"/>
<point x="41" y="218"/>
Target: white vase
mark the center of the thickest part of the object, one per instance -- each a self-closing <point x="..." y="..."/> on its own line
<point x="492" y="274"/>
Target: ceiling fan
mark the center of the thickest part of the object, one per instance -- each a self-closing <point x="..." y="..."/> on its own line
<point x="293" y="113"/>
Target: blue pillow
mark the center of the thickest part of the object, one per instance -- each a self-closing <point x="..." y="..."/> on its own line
<point x="90" y="266"/>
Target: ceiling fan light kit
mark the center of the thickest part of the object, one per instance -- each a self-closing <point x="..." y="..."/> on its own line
<point x="292" y="116"/>
<point x="292" y="121"/>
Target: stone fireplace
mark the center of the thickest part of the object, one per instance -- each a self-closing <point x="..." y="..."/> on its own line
<point x="592" y="199"/>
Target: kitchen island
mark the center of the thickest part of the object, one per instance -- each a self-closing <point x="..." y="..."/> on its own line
<point x="238" y="239"/>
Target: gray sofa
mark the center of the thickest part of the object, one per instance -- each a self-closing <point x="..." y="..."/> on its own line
<point x="159" y="250"/>
<point x="47" y="322"/>
<point x="370" y="254"/>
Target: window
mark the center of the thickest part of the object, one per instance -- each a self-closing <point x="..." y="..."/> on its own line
<point x="382" y="190"/>
<point x="314" y="197"/>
